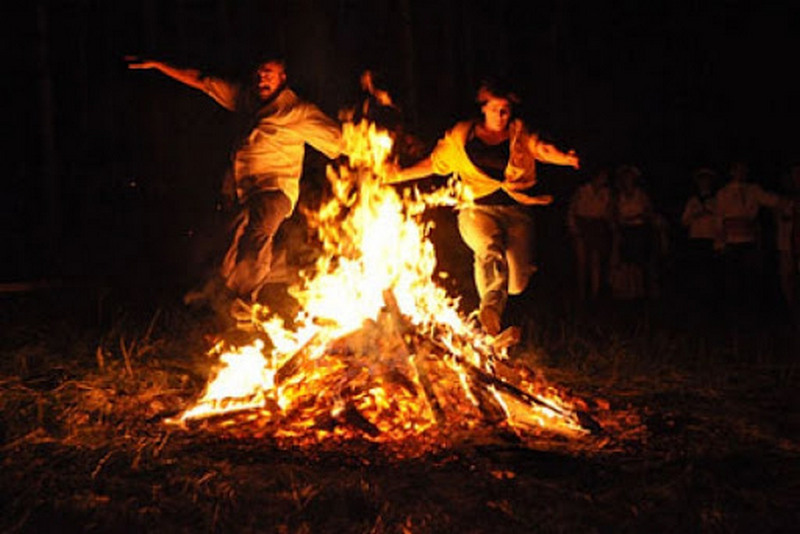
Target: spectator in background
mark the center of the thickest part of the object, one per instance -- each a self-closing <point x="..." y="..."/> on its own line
<point x="788" y="239"/>
<point x="738" y="204"/>
<point x="699" y="219"/>
<point x="589" y="221"/>
<point x="634" y="237"/>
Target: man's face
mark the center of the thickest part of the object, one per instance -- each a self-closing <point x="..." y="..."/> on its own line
<point x="600" y="179"/>
<point x="739" y="172"/>
<point x="704" y="182"/>
<point x="496" y="113"/>
<point x="270" y="77"/>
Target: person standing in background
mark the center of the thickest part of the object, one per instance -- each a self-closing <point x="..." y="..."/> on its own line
<point x="738" y="204"/>
<point x="634" y="236"/>
<point x="788" y="240"/>
<point x="589" y="219"/>
<point x="700" y="220"/>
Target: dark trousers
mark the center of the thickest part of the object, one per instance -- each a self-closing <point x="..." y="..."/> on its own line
<point x="593" y="252"/>
<point x="742" y="268"/>
<point x="247" y="262"/>
<point x="701" y="271"/>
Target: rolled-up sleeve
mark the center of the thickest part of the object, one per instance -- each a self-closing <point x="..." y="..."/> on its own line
<point x="443" y="155"/>
<point x="321" y="132"/>
<point x="222" y="91"/>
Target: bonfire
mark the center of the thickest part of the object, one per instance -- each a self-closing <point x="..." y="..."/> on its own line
<point x="378" y="351"/>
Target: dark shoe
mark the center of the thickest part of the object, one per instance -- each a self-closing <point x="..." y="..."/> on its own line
<point x="203" y="295"/>
<point x="195" y="297"/>
<point x="221" y="302"/>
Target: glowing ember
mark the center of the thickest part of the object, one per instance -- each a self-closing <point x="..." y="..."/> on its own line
<point x="379" y="351"/>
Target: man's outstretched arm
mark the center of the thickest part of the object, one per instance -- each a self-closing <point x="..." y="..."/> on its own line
<point x="191" y="77"/>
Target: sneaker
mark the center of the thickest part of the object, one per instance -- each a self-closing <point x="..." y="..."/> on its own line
<point x="510" y="337"/>
<point x="490" y="320"/>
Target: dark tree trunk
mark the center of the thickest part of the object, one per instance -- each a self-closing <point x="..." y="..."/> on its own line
<point x="159" y="144"/>
<point x="224" y="20"/>
<point x="51" y="188"/>
<point x="409" y="50"/>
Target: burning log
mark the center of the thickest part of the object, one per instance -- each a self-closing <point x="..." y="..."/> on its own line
<point x="488" y="405"/>
<point x="427" y="387"/>
<point x="293" y="364"/>
<point x="403" y="327"/>
<point x="352" y="416"/>
<point x="395" y="376"/>
<point x="584" y="420"/>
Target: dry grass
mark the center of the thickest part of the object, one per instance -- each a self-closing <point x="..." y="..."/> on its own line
<point x="84" y="448"/>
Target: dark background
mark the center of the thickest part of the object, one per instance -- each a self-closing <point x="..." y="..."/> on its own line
<point x="112" y="174"/>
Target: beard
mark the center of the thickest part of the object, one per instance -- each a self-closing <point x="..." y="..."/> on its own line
<point x="267" y="94"/>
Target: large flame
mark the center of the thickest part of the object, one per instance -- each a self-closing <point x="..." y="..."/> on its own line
<point x="378" y="350"/>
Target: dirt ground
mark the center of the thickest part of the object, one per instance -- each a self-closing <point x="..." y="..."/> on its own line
<point x="87" y="377"/>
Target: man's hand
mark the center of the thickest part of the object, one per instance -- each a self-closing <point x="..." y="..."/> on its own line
<point x="190" y="77"/>
<point x="135" y="62"/>
<point x="573" y="160"/>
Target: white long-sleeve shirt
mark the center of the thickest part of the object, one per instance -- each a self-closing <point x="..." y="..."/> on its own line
<point x="699" y="217"/>
<point x="787" y="236"/>
<point x="738" y="204"/>
<point x="633" y="208"/>
<point x="271" y="156"/>
<point x="589" y="202"/>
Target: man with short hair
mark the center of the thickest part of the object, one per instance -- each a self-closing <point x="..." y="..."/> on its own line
<point x="738" y="204"/>
<point x="266" y="170"/>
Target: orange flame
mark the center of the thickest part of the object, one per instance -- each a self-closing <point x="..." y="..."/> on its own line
<point x="347" y="366"/>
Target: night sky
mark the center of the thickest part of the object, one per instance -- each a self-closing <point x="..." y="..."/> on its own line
<point x="109" y="170"/>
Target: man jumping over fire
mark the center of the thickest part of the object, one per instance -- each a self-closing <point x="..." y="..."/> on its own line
<point x="265" y="174"/>
<point x="495" y="158"/>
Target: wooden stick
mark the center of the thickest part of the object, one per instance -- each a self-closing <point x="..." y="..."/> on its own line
<point x="292" y="365"/>
<point x="421" y="352"/>
<point x="427" y="387"/>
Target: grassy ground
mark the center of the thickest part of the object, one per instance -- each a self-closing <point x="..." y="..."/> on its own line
<point x="86" y="377"/>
